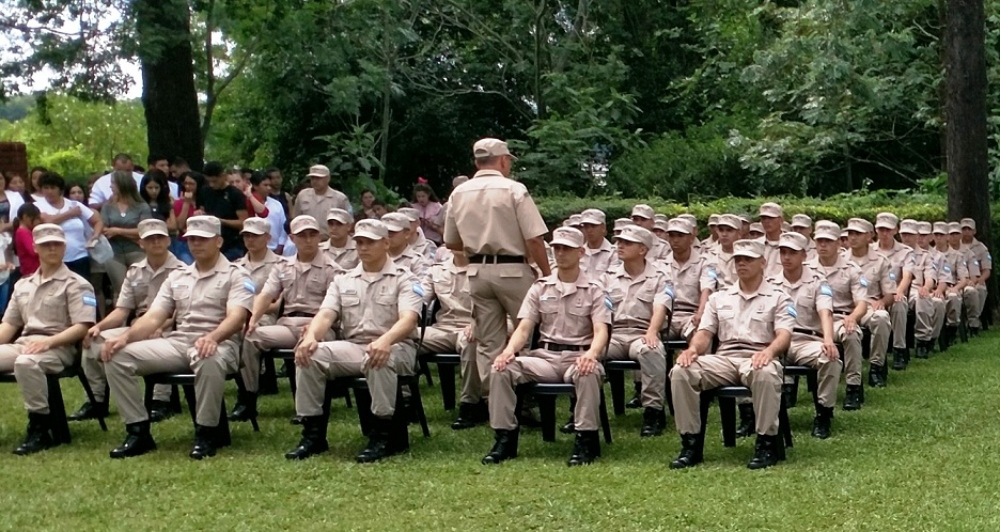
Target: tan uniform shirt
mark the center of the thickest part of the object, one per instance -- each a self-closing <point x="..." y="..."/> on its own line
<point x="772" y="256"/>
<point x="939" y="261"/>
<point x="724" y="267"/>
<point x="566" y="312"/>
<point x="924" y="267"/>
<point x="982" y="254"/>
<point x="346" y="257"/>
<point x="369" y="305"/>
<point x="450" y="285"/>
<point x="308" y="202"/>
<point x="412" y="261"/>
<point x="810" y="295"/>
<point x="302" y="285"/>
<point x="874" y="274"/>
<point x="690" y="280"/>
<point x="492" y="215"/>
<point x="142" y="284"/>
<point x="259" y="271"/>
<point x="634" y="298"/>
<point x="972" y="259"/>
<point x="662" y="251"/>
<point x="844" y="278"/>
<point x="198" y="301"/>
<point x="599" y="261"/>
<point x="955" y="266"/>
<point x="424" y="247"/>
<point x="50" y="306"/>
<point x="746" y="323"/>
<point x="901" y="259"/>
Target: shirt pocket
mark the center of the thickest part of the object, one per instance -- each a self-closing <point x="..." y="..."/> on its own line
<point x="761" y="328"/>
<point x="548" y="305"/>
<point x="54" y="309"/>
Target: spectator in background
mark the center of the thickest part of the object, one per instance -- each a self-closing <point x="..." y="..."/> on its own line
<point x="160" y="162"/>
<point x="14" y="194"/>
<point x="282" y="197"/>
<point x="218" y="198"/>
<point x="246" y="174"/>
<point x="256" y="193"/>
<point x="235" y="179"/>
<point x="430" y="210"/>
<point x="28" y="216"/>
<point x="379" y="209"/>
<point x="6" y="244"/>
<point x="184" y="208"/>
<point x="76" y="193"/>
<point x="260" y="191"/>
<point x="74" y="218"/>
<point x="154" y="191"/>
<point x="15" y="183"/>
<point x="6" y="214"/>
<point x="33" y="188"/>
<point x="101" y="192"/>
<point x="178" y="167"/>
<point x="319" y="198"/>
<point x="121" y="215"/>
<point x="367" y="205"/>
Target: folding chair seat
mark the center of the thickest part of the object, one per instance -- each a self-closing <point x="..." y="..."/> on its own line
<point x="727" y="396"/>
<point x="545" y="394"/>
<point x="186" y="382"/>
<point x="342" y="386"/>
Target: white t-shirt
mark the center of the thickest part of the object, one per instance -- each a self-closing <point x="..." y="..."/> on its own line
<point x="76" y="229"/>
<point x="101" y="191"/>
<point x="276" y="215"/>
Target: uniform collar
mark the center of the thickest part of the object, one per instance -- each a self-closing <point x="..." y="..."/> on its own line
<point x="647" y="272"/>
<point x="61" y="274"/>
<point x="172" y="263"/>
<point x="407" y="253"/>
<point x="605" y="246"/>
<point x="221" y="266"/>
<point x="582" y="281"/>
<point x="693" y="258"/>
<point x="487" y="173"/>
<point x="807" y="274"/>
<point x="389" y="268"/>
<point x="764" y="289"/>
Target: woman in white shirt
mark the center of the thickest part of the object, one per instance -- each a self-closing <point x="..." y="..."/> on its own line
<point x="74" y="218"/>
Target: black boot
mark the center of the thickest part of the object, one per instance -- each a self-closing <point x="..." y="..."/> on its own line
<point x="747" y="421"/>
<point x="692" y="446"/>
<point x="767" y="452"/>
<point x="160" y="410"/>
<point x="636" y="400"/>
<point x="313" y="438"/>
<point x="137" y="442"/>
<point x="504" y="447"/>
<point x="653" y="422"/>
<point x="852" y="401"/>
<point x="900" y="358"/>
<point x="790" y="393"/>
<point x="38" y="437"/>
<point x="95" y="410"/>
<point x="973" y="332"/>
<point x="821" y="425"/>
<point x="380" y="442"/>
<point x="471" y="415"/>
<point x="569" y="427"/>
<point x="876" y="376"/>
<point x="924" y="349"/>
<point x="951" y="334"/>
<point x="246" y="407"/>
<point x="586" y="448"/>
<point x="204" y="442"/>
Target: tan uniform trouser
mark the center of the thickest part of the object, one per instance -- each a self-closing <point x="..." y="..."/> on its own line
<point x="852" y="351"/>
<point x="897" y="318"/>
<point x="712" y="371"/>
<point x="805" y="352"/>
<point x="681" y="326"/>
<point x="174" y="353"/>
<point x="971" y="300"/>
<point x="953" y="308"/>
<point x="284" y="335"/>
<point x="982" y="298"/>
<point x="542" y="365"/>
<point x="925" y="312"/>
<point x="30" y="370"/>
<point x="880" y="325"/>
<point x="653" y="364"/>
<point x="438" y="340"/>
<point x="93" y="368"/>
<point x="497" y="293"/>
<point x="345" y="359"/>
<point x="940" y="312"/>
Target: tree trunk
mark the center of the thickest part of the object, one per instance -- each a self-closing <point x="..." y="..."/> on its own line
<point x="968" y="178"/>
<point x="169" y="96"/>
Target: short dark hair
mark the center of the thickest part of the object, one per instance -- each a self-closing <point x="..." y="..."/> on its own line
<point x="271" y="170"/>
<point x="153" y="157"/>
<point x="51" y="179"/>
<point x="213" y="169"/>
<point x="426" y="189"/>
<point x="257" y="178"/>
<point x="123" y="158"/>
<point x="28" y="210"/>
<point x="178" y="161"/>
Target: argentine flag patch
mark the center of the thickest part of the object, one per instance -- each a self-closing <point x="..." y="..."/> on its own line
<point x="248" y="284"/>
<point x="791" y="311"/>
<point x="418" y="288"/>
<point x="947" y="269"/>
<point x="826" y="290"/>
<point x="89" y="300"/>
<point x="864" y="282"/>
<point x="892" y="276"/>
<point x="712" y="273"/>
<point x="669" y="290"/>
<point x="608" y="303"/>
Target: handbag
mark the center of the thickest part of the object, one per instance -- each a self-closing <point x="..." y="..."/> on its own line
<point x="101" y="252"/>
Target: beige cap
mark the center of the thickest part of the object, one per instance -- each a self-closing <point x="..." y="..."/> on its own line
<point x="793" y="240"/>
<point x="968" y="222"/>
<point x="757" y="227"/>
<point x="886" y="220"/>
<point x="409" y="212"/>
<point x="676" y="225"/>
<point x="639" y="235"/>
<point x="395" y="221"/>
<point x="318" y="170"/>
<point x="786" y="227"/>
<point x="770" y="210"/>
<point x="940" y="228"/>
<point x="203" y="226"/>
<point x="924" y="228"/>
<point x="43" y="233"/>
<point x="593" y="217"/>
<point x="643" y="211"/>
<point x="490" y="147"/>
<point x="622" y="223"/>
<point x="908" y="227"/>
<point x="730" y="220"/>
<point x="954" y="227"/>
<point x="302" y="223"/>
<point x="748" y="248"/>
<point x="373" y="229"/>
<point x="256" y="226"/>
<point x="859" y="225"/>
<point x="713" y="220"/>
<point x="575" y="220"/>
<point x="662" y="225"/>
<point x="568" y="236"/>
<point x="801" y="220"/>
<point x="151" y="227"/>
<point x="826" y="230"/>
<point x="663" y="217"/>
<point x="339" y="215"/>
<point x="744" y="219"/>
<point x="690" y="219"/>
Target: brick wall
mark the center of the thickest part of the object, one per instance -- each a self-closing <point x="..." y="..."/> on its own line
<point x="14" y="158"/>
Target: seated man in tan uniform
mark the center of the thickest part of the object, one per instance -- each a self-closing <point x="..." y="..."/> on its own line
<point x="573" y="315"/>
<point x="341" y="246"/>
<point x="753" y="320"/>
<point x="600" y="255"/>
<point x="210" y="301"/>
<point x="400" y="251"/>
<point x="51" y="310"/>
<point x="416" y="239"/>
<point x="378" y="307"/>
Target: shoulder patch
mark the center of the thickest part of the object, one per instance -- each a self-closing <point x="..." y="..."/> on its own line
<point x="947" y="268"/>
<point x="418" y="288"/>
<point x="826" y="290"/>
<point x="248" y="284"/>
<point x="864" y="281"/>
<point x="89" y="300"/>
<point x="607" y="302"/>
<point x="791" y="311"/>
<point x="712" y="273"/>
<point x="892" y="276"/>
<point x="669" y="290"/>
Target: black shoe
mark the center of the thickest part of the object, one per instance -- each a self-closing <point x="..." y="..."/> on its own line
<point x="853" y="401"/>
<point x="137" y="442"/>
<point x="296" y="420"/>
<point x="973" y="332"/>
<point x="246" y="407"/>
<point x="569" y="427"/>
<point x="527" y="418"/>
<point x="876" y="376"/>
<point x="471" y="415"/>
<point x="948" y="336"/>
<point x="313" y="440"/>
<point x="790" y="393"/>
<point x="768" y="451"/>
<point x="159" y="411"/>
<point x="382" y="441"/>
<point x="586" y="448"/>
<point x="692" y="446"/>
<point x="822" y="422"/>
<point x="636" y="400"/>
<point x="747" y="421"/>
<point x="924" y="349"/>
<point x="654" y="421"/>
<point x="282" y="372"/>
<point x="90" y="410"/>
<point x="204" y="442"/>
<point x="900" y="358"/>
<point x="38" y="437"/>
<point x="504" y="447"/>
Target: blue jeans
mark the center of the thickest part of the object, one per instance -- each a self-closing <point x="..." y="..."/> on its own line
<point x="7" y="289"/>
<point x="181" y="251"/>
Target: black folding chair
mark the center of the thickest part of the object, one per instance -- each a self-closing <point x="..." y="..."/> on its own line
<point x="447" y="363"/>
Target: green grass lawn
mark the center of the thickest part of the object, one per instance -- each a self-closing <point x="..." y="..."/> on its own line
<point x="921" y="455"/>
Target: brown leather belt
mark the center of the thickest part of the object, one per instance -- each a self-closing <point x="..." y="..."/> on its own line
<point x="300" y="315"/>
<point x="808" y="332"/>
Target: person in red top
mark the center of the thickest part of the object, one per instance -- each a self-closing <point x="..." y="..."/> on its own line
<point x="24" y="245"/>
<point x="257" y="190"/>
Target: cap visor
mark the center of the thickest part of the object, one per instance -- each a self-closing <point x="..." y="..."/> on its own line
<point x="564" y="242"/>
<point x="747" y="254"/>
<point x="366" y="234"/>
<point x="47" y="239"/>
<point x="252" y="232"/>
<point x="198" y="233"/>
<point x="731" y="226"/>
<point x="884" y="226"/>
<point x="793" y="248"/>
<point x="306" y="228"/>
<point x="627" y="238"/>
<point x="154" y="232"/>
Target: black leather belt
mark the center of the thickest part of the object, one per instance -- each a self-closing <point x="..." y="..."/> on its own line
<point x="808" y="332"/>
<point x="300" y="315"/>
<point x="563" y="347"/>
<point x="497" y="259"/>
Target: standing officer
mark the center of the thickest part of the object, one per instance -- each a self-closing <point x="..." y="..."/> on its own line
<point x="378" y="306"/>
<point x="573" y="315"/>
<point x="51" y="310"/>
<point x="643" y="216"/>
<point x="142" y="282"/>
<point x="812" y="339"/>
<point x="753" y="321"/>
<point x="881" y="294"/>
<point x="600" y="256"/>
<point x="984" y="261"/>
<point x="494" y="220"/>
<point x="340" y="246"/>
<point x="901" y="263"/>
<point x="642" y="294"/>
<point x="300" y="283"/>
<point x="850" y="304"/>
<point x="210" y="301"/>
<point x="416" y="239"/>
<point x="452" y="333"/>
<point x="318" y="198"/>
<point x="400" y="251"/>
<point x="920" y="300"/>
